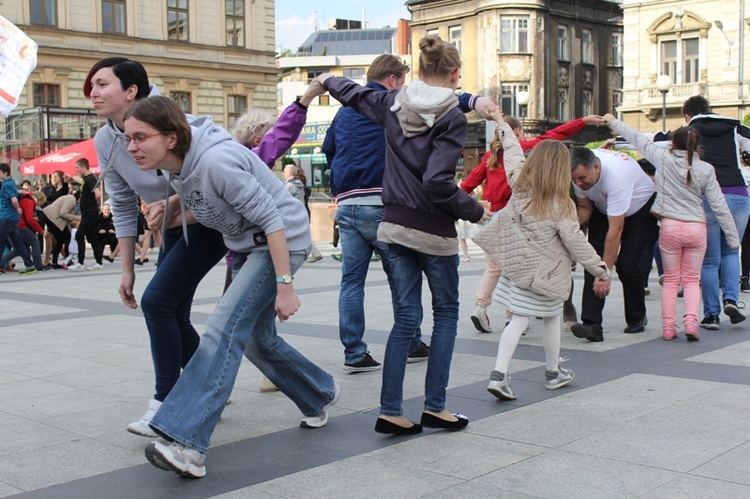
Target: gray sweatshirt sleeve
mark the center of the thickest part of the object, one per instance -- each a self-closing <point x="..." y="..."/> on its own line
<point x="122" y="198"/>
<point x="655" y="154"/>
<point x="718" y="205"/>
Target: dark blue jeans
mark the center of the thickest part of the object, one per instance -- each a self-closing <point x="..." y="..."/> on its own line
<point x="408" y="266"/>
<point x="167" y="300"/>
<point x="9" y="232"/>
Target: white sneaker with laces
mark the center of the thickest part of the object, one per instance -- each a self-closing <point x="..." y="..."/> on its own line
<point x="77" y="267"/>
<point x="481" y="320"/>
<point x="178" y="458"/>
<point x="141" y="426"/>
<point x="96" y="266"/>
<point x="322" y="418"/>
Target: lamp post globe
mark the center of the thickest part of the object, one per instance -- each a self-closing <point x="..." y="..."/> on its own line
<point x="664" y="84"/>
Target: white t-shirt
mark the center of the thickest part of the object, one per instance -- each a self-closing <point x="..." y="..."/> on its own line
<point x="622" y="189"/>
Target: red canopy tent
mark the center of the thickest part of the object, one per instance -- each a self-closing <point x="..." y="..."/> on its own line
<point x="63" y="159"/>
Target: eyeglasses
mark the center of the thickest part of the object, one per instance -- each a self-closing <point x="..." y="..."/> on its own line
<point x="138" y="139"/>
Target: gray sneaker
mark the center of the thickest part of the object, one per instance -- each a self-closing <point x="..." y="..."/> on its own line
<point x="558" y="379"/>
<point x="322" y="418"/>
<point x="178" y="458"/>
<point x="499" y="386"/>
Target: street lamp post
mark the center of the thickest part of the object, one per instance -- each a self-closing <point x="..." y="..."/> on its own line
<point x="664" y="84"/>
<point x="523" y="98"/>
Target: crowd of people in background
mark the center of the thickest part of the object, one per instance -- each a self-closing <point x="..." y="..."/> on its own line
<point x="534" y="206"/>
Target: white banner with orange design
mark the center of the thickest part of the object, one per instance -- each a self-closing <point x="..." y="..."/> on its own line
<point x="17" y="61"/>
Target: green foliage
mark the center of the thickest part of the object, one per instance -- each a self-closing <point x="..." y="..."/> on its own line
<point x="746" y="120"/>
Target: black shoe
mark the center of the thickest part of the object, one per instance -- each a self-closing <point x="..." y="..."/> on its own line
<point x="638" y="327"/>
<point x="110" y="260"/>
<point x="138" y="261"/>
<point x="745" y="284"/>
<point x="363" y="366"/>
<point x="732" y="309"/>
<point x="420" y="354"/>
<point x="385" y="426"/>
<point x="591" y="332"/>
<point x="710" y="322"/>
<point x="46" y="268"/>
<point x="432" y="421"/>
<point x="56" y="266"/>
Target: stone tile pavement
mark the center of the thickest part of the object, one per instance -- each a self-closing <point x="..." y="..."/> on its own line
<point x="643" y="418"/>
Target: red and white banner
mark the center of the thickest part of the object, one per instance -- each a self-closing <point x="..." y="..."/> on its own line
<point x="17" y="61"/>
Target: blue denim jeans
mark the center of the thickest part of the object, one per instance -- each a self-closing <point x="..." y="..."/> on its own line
<point x="30" y="244"/>
<point x="9" y="233"/>
<point x="358" y="230"/>
<point x="244" y="320"/>
<point x="167" y="300"/>
<point x="719" y="256"/>
<point x="407" y="267"/>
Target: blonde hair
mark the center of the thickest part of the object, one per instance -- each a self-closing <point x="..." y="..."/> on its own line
<point x="545" y="178"/>
<point x="437" y="58"/>
<point x="253" y="123"/>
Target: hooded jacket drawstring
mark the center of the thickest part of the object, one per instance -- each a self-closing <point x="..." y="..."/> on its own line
<point x="182" y="211"/>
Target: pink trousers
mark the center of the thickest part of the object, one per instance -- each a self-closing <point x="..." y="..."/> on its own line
<point x="683" y="245"/>
<point x="489" y="282"/>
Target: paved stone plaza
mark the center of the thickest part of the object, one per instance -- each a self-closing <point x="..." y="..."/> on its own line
<point x="643" y="418"/>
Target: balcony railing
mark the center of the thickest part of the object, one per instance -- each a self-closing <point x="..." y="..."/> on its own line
<point x="678" y="93"/>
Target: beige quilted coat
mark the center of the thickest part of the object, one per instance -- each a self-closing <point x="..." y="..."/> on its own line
<point x="559" y="236"/>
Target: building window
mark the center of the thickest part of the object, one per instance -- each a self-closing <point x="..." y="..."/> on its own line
<point x="587" y="103"/>
<point x="508" y="98"/>
<point x="669" y="59"/>
<point x="314" y="73"/>
<point x="236" y="105"/>
<point x="617" y="49"/>
<point x="616" y="101"/>
<point x="434" y="31"/>
<point x="113" y="17"/>
<point x="691" y="63"/>
<point x="324" y="100"/>
<point x="454" y="36"/>
<point x="46" y="95"/>
<point x="562" y="104"/>
<point x="562" y="43"/>
<point x="44" y="12"/>
<point x="587" y="47"/>
<point x="235" y="23"/>
<point x="177" y="20"/>
<point x="514" y="34"/>
<point x="183" y="99"/>
<point x="354" y="73"/>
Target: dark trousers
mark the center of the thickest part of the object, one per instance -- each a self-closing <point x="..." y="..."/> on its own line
<point x="88" y="229"/>
<point x="62" y="239"/>
<point x="638" y="230"/>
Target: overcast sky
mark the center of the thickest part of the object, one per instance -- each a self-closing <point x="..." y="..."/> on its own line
<point x="295" y="18"/>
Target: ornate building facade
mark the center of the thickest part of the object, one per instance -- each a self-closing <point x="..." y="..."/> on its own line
<point x="701" y="46"/>
<point x="214" y="57"/>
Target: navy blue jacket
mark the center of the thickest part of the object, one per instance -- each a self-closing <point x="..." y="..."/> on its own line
<point x="355" y="150"/>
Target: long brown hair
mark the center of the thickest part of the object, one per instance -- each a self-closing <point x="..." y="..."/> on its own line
<point x="545" y="178"/>
<point x="687" y="138"/>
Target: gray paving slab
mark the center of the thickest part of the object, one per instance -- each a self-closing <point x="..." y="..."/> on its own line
<point x="643" y="418"/>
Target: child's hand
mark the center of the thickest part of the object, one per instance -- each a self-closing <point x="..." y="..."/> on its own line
<point x="485" y="107"/>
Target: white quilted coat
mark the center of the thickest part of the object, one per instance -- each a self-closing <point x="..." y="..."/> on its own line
<point x="558" y="235"/>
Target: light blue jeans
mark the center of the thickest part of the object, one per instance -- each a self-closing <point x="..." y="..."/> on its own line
<point x="244" y="320"/>
<point x="719" y="256"/>
<point x="442" y="278"/>
<point x="358" y="229"/>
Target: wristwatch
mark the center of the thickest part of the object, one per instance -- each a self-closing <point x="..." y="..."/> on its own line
<point x="284" y="279"/>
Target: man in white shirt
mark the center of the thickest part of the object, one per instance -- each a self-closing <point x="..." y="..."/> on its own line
<point x="614" y="196"/>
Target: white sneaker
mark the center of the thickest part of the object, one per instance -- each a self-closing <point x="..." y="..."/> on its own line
<point x="96" y="266"/>
<point x="322" y="418"/>
<point x="481" y="320"/>
<point x="314" y="258"/>
<point x="76" y="267"/>
<point x="141" y="426"/>
<point x="267" y="386"/>
<point x="178" y="458"/>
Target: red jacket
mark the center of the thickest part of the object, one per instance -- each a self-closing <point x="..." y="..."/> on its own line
<point x="28" y="206"/>
<point x="496" y="188"/>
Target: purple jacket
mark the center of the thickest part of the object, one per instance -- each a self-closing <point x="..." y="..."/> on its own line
<point x="282" y="135"/>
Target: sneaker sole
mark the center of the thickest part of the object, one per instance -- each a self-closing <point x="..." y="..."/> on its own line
<point x="692" y="336"/>
<point x="499" y="394"/>
<point x="478" y="325"/>
<point x="135" y="431"/>
<point x="735" y="316"/>
<point x="362" y="369"/>
<point x="412" y="360"/>
<point x="336" y="395"/>
<point x="160" y="461"/>
<point x="710" y="327"/>
<point x="559" y="385"/>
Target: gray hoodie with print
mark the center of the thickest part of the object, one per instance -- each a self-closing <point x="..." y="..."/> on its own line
<point x="229" y="189"/>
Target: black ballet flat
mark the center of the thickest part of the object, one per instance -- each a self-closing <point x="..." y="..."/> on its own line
<point x="431" y="421"/>
<point x="385" y="426"/>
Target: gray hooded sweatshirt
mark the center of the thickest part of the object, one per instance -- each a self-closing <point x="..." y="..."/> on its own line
<point x="229" y="189"/>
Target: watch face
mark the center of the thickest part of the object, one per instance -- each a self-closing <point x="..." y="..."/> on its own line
<point x="286" y="279"/>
